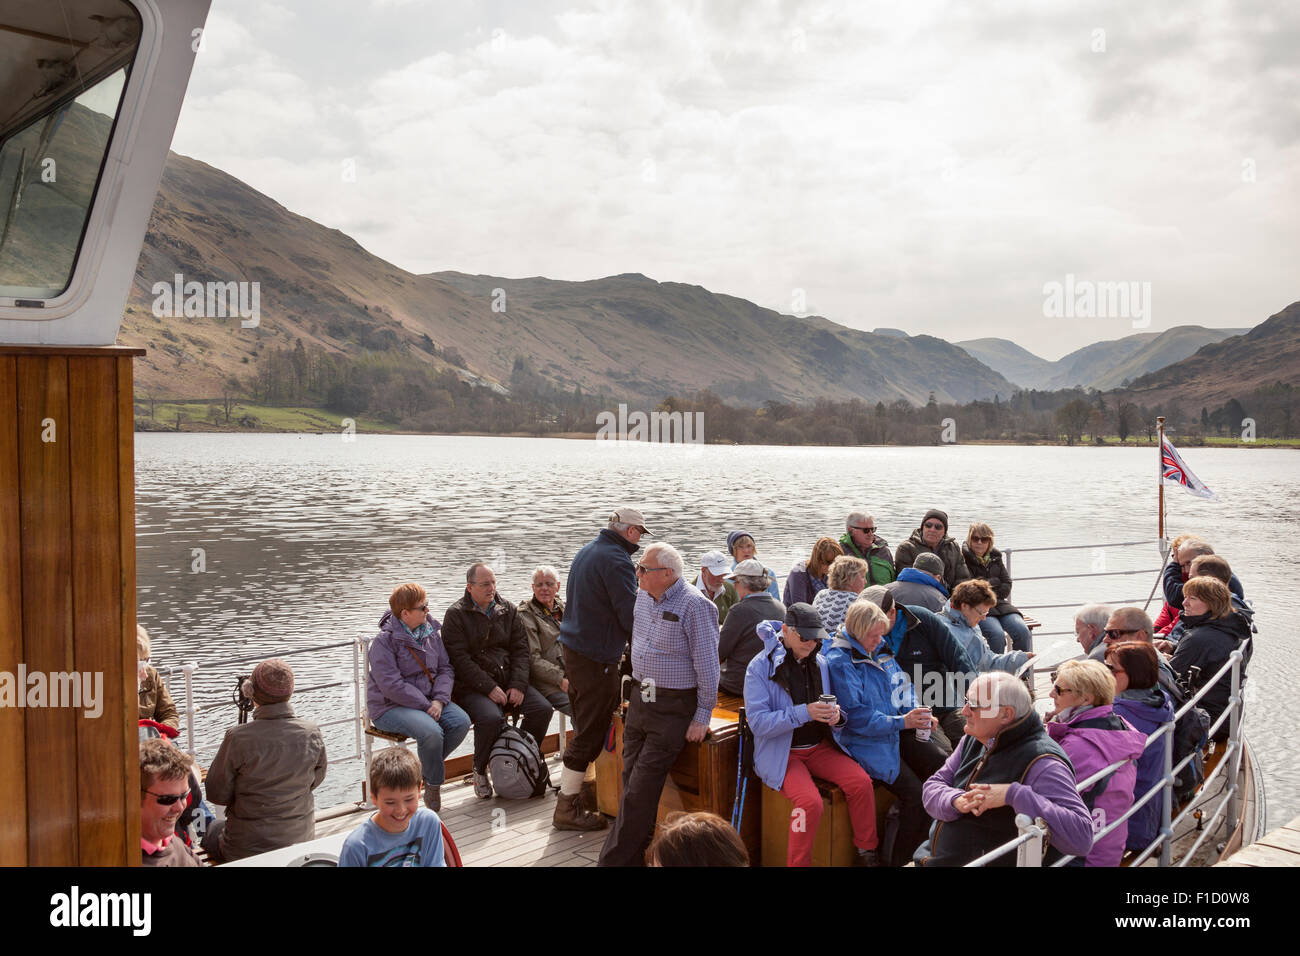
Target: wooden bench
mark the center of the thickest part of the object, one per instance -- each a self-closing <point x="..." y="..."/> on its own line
<point x="703" y="778"/>
<point x="834" y="843"/>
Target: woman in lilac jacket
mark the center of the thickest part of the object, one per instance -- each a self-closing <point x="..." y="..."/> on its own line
<point x="1093" y="736"/>
<point x="408" y="690"/>
<point x="806" y="578"/>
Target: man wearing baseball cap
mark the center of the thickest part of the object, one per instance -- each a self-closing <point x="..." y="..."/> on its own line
<point x="738" y="641"/>
<point x="715" y="569"/>
<point x="598" y="604"/>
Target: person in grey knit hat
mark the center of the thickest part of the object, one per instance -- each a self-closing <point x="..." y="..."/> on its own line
<point x="265" y="772"/>
<point x="921" y="585"/>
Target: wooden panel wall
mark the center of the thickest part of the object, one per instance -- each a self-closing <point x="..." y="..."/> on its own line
<point x="13" y="761"/>
<point x="71" y="527"/>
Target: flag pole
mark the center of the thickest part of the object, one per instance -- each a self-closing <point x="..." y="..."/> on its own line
<point x="1160" y="484"/>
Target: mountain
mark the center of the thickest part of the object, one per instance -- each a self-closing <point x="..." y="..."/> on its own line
<point x="1019" y="365"/>
<point x="627" y="336"/>
<point x="1102" y="365"/>
<point x="1232" y="368"/>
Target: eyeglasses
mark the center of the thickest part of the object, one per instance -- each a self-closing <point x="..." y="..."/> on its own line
<point x="167" y="799"/>
<point x="980" y="537"/>
<point x="933" y="525"/>
<point x="1114" y="633"/>
<point x="642" y="569"/>
<point x="859" y="527"/>
<point x="1062" y="690"/>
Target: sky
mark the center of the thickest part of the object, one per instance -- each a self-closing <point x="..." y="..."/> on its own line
<point x="944" y="168"/>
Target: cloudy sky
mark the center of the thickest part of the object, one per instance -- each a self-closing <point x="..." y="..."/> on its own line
<point x="928" y="166"/>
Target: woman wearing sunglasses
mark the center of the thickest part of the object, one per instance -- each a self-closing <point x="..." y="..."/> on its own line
<point x="985" y="561"/>
<point x="408" y="690"/>
<point x="1093" y="736"/>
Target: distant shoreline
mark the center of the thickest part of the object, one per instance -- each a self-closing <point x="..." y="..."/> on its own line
<point x="196" y="428"/>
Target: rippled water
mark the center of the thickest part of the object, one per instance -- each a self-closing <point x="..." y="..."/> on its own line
<point x="302" y="538"/>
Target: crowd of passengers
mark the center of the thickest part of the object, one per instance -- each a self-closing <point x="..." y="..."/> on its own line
<point x="905" y="668"/>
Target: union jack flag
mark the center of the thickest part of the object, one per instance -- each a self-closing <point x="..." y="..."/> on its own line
<point x="1174" y="471"/>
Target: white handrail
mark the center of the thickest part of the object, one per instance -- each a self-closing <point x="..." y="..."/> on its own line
<point x="1166" y="782"/>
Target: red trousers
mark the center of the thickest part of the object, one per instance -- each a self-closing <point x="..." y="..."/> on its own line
<point x="828" y="763"/>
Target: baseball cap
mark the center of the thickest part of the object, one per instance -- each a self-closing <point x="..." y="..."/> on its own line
<point x="805" y="619"/>
<point x="631" y="516"/>
<point x="715" y="562"/>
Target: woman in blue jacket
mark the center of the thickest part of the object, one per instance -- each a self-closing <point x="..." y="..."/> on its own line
<point x="882" y="718"/>
<point x="794" y="734"/>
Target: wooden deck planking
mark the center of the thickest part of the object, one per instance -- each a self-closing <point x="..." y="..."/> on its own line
<point x="522" y="837"/>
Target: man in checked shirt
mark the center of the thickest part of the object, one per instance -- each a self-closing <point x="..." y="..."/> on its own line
<point x="675" y="660"/>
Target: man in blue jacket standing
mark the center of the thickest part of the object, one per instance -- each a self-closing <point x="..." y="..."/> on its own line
<point x="597" y="626"/>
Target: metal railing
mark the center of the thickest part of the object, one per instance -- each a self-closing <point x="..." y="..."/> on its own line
<point x="1035" y="832"/>
<point x="358" y="718"/>
<point x="359" y="648"/>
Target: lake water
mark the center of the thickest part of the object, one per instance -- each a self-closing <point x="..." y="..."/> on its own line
<point x="253" y="545"/>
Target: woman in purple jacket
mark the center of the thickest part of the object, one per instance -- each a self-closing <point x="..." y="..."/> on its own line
<point x="1093" y="736"/>
<point x="408" y="690"/>
<point x="806" y="578"/>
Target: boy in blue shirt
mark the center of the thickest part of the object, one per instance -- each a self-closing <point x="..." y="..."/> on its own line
<point x="401" y="832"/>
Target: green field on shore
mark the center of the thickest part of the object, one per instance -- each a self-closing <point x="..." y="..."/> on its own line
<point x="245" y="417"/>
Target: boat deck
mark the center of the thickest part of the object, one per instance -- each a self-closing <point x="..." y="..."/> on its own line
<point x="493" y="832"/>
<point x="1280" y="847"/>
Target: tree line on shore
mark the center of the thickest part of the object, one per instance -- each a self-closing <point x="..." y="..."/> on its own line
<point x="404" y="392"/>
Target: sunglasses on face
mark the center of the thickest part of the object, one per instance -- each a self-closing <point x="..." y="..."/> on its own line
<point x="167" y="799"/>
<point x="1114" y="634"/>
<point x="932" y="526"/>
<point x="980" y="537"/>
<point x="860" y="527"/>
<point x="422" y="607"/>
<point x="1061" y="690"/>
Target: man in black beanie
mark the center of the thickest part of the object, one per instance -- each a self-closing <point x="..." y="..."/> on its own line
<point x="932" y="536"/>
<point x="265" y="772"/>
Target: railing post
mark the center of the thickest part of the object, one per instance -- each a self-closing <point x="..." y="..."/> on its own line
<point x="188" y="669"/>
<point x="356" y="690"/>
<point x="1167" y="800"/>
<point x="1030" y="853"/>
<point x="1234" y="741"/>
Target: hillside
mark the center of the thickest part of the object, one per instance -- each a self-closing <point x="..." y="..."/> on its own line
<point x="1006" y="357"/>
<point x="1102" y="365"/>
<point x="626" y="336"/>
<point x="1233" y="368"/>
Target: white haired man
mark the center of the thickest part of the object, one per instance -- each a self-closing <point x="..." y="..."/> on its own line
<point x="675" y="661"/>
<point x="1089" y="629"/>
<point x="1020" y="770"/>
<point x="861" y="541"/>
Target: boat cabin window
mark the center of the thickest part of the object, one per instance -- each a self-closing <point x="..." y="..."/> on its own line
<point x="63" y="69"/>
